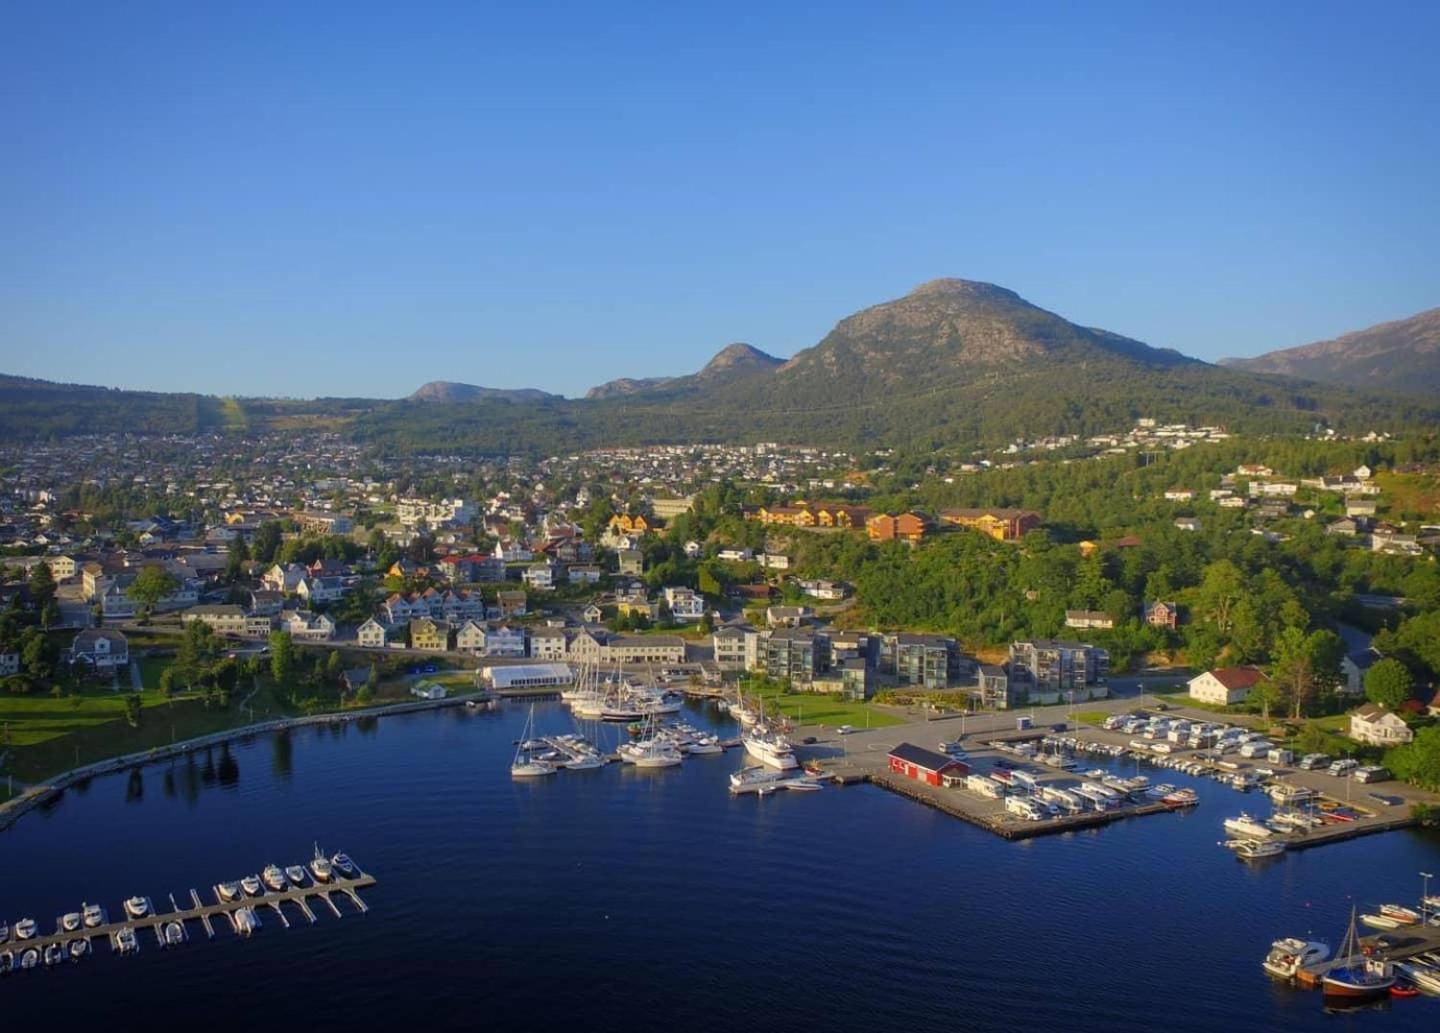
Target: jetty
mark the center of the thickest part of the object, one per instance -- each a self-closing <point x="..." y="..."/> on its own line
<point x="300" y="896"/>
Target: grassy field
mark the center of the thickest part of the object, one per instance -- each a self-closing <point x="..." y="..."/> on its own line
<point x="1411" y="495"/>
<point x="49" y="735"/>
<point x="812" y="709"/>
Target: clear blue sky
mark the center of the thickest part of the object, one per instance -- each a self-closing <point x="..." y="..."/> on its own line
<point x="303" y="198"/>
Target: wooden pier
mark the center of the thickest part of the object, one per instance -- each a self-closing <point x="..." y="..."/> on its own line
<point x="205" y="913"/>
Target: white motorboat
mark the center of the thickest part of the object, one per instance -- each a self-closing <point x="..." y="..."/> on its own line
<point x="25" y="929"/>
<point x="1254" y="849"/>
<point x="125" y="940"/>
<point x="704" y="747"/>
<point x="93" y="915"/>
<point x="137" y="907"/>
<point x="70" y="922"/>
<point x="174" y="934"/>
<point x="1288" y="956"/>
<point x="246" y="921"/>
<point x="251" y="885"/>
<point x="751" y="780"/>
<point x="54" y="954"/>
<point x="1426" y="977"/>
<point x="296" y="874"/>
<point x="229" y="891"/>
<point x="1403" y="915"/>
<point x="78" y="949"/>
<point x="583" y="762"/>
<point x="7" y="961"/>
<point x="341" y="863"/>
<point x="29" y="958"/>
<point x="1376" y="921"/>
<point x="274" y="878"/>
<point x="320" y="866"/>
<point x="1244" y="825"/>
<point x="770" y="748"/>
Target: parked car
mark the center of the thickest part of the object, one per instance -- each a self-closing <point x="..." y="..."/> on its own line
<point x="1343" y="767"/>
<point x="1313" y="761"/>
<point x="1371" y="774"/>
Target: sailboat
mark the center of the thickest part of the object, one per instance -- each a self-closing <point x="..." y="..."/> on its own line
<point x="1357" y="975"/>
<point x="524" y="765"/>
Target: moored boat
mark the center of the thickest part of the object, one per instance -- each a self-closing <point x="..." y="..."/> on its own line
<point x="1244" y="825"/>
<point x="54" y="954"/>
<point x="70" y="922"/>
<point x="25" y="929"/>
<point x="320" y="866"/>
<point x="137" y="907"/>
<point x="1255" y="849"/>
<point x="126" y="941"/>
<point x="770" y="748"/>
<point x="229" y="891"/>
<point x="174" y="934"/>
<point x="246" y="921"/>
<point x="1356" y="975"/>
<point x="296" y="874"/>
<point x="274" y="877"/>
<point x="1291" y="954"/>
<point x="1401" y="914"/>
<point x="29" y="958"/>
<point x="78" y="949"/>
<point x="251" y="885"/>
<point x="751" y="780"/>
<point x="341" y="863"/>
<point x="92" y="914"/>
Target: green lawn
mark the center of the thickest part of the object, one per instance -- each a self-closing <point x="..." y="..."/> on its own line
<point x="49" y="735"/>
<point x="814" y="709"/>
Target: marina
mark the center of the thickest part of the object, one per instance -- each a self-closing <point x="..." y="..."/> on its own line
<point x="74" y="938"/>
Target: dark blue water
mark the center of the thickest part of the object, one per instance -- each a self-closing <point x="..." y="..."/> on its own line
<point x="653" y="900"/>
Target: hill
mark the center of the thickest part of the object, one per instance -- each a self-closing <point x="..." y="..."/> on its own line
<point x="450" y="391"/>
<point x="1403" y="355"/>
<point x="732" y="362"/>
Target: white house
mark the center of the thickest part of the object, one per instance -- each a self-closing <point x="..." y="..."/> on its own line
<point x="1354" y="667"/>
<point x="736" y="555"/>
<point x="685" y="604"/>
<point x="503" y="640"/>
<point x="540" y="576"/>
<point x="308" y="627"/>
<point x="729" y="644"/>
<point x="321" y="589"/>
<point x="373" y="634"/>
<point x="470" y="638"/>
<point x="427" y="690"/>
<point x="102" y="649"/>
<point x="547" y="644"/>
<point x="1378" y="726"/>
<point x="1225" y="686"/>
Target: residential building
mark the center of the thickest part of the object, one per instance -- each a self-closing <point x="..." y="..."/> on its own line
<point x="1006" y="525"/>
<point x="512" y="603"/>
<point x="454" y="512"/>
<point x="600" y="646"/>
<point x="1379" y="726"/>
<point x="1354" y="668"/>
<point x="1161" y="614"/>
<point x="266" y="603"/>
<point x="786" y="616"/>
<point x="429" y="636"/>
<point x="503" y="640"/>
<point x="1088" y="619"/>
<point x="540" y="576"/>
<point x="229" y="619"/>
<point x="101" y="649"/>
<point x="470" y="638"/>
<point x="829" y="591"/>
<point x="625" y="524"/>
<point x="1226" y="686"/>
<point x="669" y="509"/>
<point x="927" y="660"/>
<point x="547" y="644"/>
<point x="685" y="604"/>
<point x="321" y="589"/>
<point x="632" y="562"/>
<point x="733" y="555"/>
<point x="308" y="627"/>
<point x="729" y="647"/>
<point x="1053" y="669"/>
<point x="798" y="654"/>
<point x="324" y="523"/>
<point x="372" y="634"/>
<point x="903" y="527"/>
<point x="995" y="687"/>
<point x="284" y="579"/>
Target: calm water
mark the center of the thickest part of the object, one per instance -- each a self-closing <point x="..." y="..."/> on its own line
<point x="632" y="900"/>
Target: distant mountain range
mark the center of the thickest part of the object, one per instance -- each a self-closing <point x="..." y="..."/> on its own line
<point x="450" y="391"/>
<point x="1403" y="355"/>
<point x="954" y="362"/>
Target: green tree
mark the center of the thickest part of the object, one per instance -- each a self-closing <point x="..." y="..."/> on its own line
<point x="152" y="584"/>
<point x="132" y="709"/>
<point x="42" y="584"/>
<point x="1418" y="762"/>
<point x="239" y="555"/>
<point x="167" y="682"/>
<point x="1388" y="683"/>
<point x="282" y="659"/>
<point x="1264" y="696"/>
<point x="332" y="664"/>
<point x="1220" y="592"/>
<point x="267" y="541"/>
<point x="38" y="655"/>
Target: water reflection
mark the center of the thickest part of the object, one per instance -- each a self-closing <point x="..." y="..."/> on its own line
<point x="135" y="786"/>
<point x="282" y="756"/>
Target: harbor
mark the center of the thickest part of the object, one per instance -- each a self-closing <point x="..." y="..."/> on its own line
<point x="236" y="905"/>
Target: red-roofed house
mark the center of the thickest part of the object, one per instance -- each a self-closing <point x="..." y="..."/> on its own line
<point x="1225" y="686"/>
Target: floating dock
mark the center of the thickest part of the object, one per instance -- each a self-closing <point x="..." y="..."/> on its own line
<point x="205" y="913"/>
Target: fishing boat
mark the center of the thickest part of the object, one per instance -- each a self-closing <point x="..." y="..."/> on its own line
<point x="78" y="949"/>
<point x="296" y="874"/>
<point x="320" y="866"/>
<point x="525" y="765"/>
<point x="92" y="914"/>
<point x="137" y="907"/>
<point x="251" y="885"/>
<point x="1289" y="955"/>
<point x="274" y="877"/>
<point x="1357" y="975"/>
<point x="25" y="929"/>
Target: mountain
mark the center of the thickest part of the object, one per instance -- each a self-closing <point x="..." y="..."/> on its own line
<point x="1403" y="355"/>
<point x="450" y="391"/>
<point x="732" y="361"/>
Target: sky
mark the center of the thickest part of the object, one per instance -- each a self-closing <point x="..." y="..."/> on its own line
<point x="355" y="198"/>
